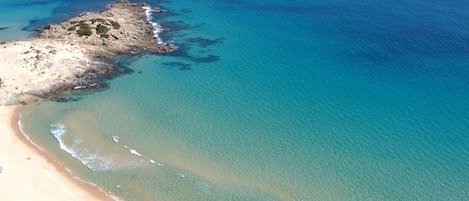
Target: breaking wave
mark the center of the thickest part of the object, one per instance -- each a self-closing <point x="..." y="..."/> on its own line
<point x="156" y="27"/>
<point x="93" y="161"/>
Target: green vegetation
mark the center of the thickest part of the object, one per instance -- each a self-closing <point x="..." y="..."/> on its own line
<point x="72" y="28"/>
<point x="115" y="24"/>
<point x="101" y="29"/>
<point x="84" y="32"/>
<point x="98" y="20"/>
<point x="84" y="29"/>
<point x="104" y="36"/>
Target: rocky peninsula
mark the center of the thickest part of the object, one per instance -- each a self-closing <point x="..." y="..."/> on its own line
<point x="70" y="55"/>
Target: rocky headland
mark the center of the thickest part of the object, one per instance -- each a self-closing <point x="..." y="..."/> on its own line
<point x="122" y="28"/>
<point x="71" y="54"/>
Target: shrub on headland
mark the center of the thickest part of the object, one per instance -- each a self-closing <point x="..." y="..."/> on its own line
<point x="72" y="28"/>
<point x="104" y="35"/>
<point x="115" y="24"/>
<point x="98" y="20"/>
<point x="84" y="29"/>
<point x="101" y="29"/>
<point x="84" y="32"/>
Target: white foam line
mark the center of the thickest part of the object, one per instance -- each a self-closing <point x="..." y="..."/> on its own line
<point x="133" y="151"/>
<point x="91" y="161"/>
<point x="20" y="126"/>
<point x="115" y="138"/>
<point x="156" y="27"/>
<point x="69" y="171"/>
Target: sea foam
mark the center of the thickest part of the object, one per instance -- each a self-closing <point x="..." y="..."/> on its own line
<point x="156" y="27"/>
<point x="133" y="151"/>
<point x="93" y="161"/>
<point x="21" y="128"/>
<point x="115" y="138"/>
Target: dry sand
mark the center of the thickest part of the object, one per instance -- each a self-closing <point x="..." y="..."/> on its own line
<point x="27" y="174"/>
<point x="38" y="66"/>
<point x="61" y="57"/>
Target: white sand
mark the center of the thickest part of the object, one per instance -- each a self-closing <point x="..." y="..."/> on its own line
<point x="37" y="66"/>
<point x="41" y="65"/>
<point x="27" y="174"/>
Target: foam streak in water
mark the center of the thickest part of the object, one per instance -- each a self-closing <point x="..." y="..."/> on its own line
<point x="92" y="161"/>
<point x="133" y="151"/>
<point x="115" y="139"/>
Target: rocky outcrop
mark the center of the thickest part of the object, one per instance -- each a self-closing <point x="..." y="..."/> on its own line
<point x="74" y="55"/>
<point x="121" y="29"/>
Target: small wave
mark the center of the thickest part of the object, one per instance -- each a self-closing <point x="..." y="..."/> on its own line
<point x="21" y="128"/>
<point x="93" y="161"/>
<point x="58" y="130"/>
<point x="156" y="27"/>
<point x="133" y="151"/>
<point x="115" y="139"/>
<point x="79" y="87"/>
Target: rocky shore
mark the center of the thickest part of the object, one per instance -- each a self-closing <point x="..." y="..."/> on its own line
<point x="71" y="54"/>
<point x="121" y="29"/>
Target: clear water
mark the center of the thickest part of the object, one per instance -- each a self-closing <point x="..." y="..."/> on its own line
<point x="275" y="100"/>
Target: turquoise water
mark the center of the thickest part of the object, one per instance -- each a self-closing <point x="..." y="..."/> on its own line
<point x="275" y="100"/>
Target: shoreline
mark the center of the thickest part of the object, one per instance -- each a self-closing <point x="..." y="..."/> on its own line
<point x="71" y="55"/>
<point x="27" y="173"/>
<point x="76" y="53"/>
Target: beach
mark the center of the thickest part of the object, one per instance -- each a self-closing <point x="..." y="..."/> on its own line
<point x="64" y="57"/>
<point x="36" y="67"/>
<point x="29" y="174"/>
<point x="263" y="100"/>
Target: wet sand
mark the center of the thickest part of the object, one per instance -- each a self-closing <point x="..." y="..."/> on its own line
<point x="62" y="57"/>
<point x="29" y="174"/>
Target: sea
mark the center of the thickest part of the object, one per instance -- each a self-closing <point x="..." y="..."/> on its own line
<point x="269" y="100"/>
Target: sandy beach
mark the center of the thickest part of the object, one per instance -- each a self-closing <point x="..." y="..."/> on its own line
<point x="28" y="174"/>
<point x="63" y="57"/>
<point x="36" y="67"/>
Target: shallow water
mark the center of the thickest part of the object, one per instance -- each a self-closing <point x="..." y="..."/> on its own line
<point x="276" y="100"/>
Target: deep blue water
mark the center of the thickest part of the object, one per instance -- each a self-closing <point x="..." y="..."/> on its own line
<point x="276" y="100"/>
